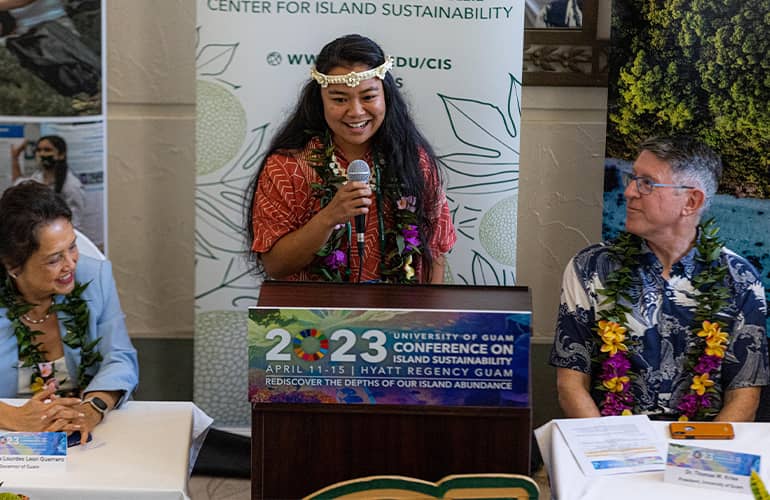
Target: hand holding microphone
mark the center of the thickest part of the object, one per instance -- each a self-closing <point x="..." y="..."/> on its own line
<point x="352" y="201"/>
<point x="358" y="171"/>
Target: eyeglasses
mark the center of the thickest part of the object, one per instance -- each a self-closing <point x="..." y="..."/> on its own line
<point x="645" y="185"/>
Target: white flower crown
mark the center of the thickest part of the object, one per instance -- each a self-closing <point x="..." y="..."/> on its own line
<point x="353" y="79"/>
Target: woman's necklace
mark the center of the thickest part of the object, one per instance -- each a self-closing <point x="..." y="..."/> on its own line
<point x="42" y="320"/>
<point x="400" y="245"/>
<point x="75" y="320"/>
<point x="708" y="341"/>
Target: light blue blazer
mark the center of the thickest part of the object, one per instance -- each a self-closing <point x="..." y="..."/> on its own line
<point x="119" y="369"/>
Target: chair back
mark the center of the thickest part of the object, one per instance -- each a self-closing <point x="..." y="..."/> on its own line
<point x="87" y="247"/>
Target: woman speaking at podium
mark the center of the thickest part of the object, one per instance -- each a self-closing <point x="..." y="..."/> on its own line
<point x="63" y="339"/>
<point x="300" y="205"/>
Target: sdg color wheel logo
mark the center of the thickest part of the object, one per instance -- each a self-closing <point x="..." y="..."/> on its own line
<point x="310" y="345"/>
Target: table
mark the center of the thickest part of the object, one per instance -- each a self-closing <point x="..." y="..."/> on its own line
<point x="141" y="451"/>
<point x="568" y="481"/>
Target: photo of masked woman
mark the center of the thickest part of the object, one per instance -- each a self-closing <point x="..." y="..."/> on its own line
<point x="53" y="171"/>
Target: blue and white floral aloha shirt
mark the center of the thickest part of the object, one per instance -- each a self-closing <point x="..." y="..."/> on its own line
<point x="661" y="324"/>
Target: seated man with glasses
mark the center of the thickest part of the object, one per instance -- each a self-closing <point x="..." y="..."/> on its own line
<point x="664" y="320"/>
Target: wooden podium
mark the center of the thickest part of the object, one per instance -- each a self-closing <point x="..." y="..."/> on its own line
<point x="300" y="448"/>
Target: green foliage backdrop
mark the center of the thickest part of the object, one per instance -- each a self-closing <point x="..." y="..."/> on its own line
<point x="700" y="67"/>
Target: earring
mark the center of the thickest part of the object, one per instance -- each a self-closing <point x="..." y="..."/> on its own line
<point x="12" y="275"/>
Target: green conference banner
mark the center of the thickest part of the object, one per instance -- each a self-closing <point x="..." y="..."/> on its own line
<point x="459" y="65"/>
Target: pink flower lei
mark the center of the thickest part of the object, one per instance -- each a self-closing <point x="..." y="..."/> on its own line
<point x="708" y="341"/>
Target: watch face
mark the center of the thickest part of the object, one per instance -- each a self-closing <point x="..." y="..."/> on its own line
<point x="99" y="404"/>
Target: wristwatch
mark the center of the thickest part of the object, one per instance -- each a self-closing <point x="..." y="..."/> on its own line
<point x="97" y="404"/>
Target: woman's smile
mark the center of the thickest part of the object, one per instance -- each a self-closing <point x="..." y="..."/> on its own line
<point x="354" y="114"/>
<point x="51" y="269"/>
<point x="66" y="279"/>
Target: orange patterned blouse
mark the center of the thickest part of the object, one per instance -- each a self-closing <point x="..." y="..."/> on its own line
<point x="285" y="202"/>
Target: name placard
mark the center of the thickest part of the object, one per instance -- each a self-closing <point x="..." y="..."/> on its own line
<point x="404" y="357"/>
<point x="709" y="468"/>
<point x="33" y="451"/>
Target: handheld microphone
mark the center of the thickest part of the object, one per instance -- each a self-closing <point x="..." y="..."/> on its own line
<point x="358" y="171"/>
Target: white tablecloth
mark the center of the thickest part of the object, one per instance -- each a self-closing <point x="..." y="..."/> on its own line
<point x="569" y="483"/>
<point x="142" y="451"/>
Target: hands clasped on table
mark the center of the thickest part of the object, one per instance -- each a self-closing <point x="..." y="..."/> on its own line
<point x="47" y="412"/>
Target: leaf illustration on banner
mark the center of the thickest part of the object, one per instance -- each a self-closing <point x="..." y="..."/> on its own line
<point x="467" y="180"/>
<point x="234" y="278"/>
<point x="219" y="204"/>
<point x="483" y="172"/>
<point x="484" y="127"/>
<point x="215" y="58"/>
<point x="228" y="153"/>
<point x="465" y="220"/>
<point x="486" y="160"/>
<point x="484" y="273"/>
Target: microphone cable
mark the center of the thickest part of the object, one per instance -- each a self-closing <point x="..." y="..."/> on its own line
<point x="360" y="245"/>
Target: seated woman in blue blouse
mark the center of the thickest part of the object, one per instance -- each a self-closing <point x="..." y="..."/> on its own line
<point x="63" y="338"/>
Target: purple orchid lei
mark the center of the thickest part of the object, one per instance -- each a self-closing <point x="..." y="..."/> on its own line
<point x="405" y="242"/>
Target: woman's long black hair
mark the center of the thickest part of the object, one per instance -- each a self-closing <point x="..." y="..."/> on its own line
<point x="397" y="141"/>
<point x="60" y="167"/>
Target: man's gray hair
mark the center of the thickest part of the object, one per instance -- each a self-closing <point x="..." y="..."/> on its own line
<point x="692" y="162"/>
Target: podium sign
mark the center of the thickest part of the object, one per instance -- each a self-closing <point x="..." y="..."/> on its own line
<point x="359" y="380"/>
<point x="386" y="356"/>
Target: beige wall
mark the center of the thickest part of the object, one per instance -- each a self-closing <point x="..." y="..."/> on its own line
<point x="560" y="191"/>
<point x="151" y="169"/>
<point x="151" y="127"/>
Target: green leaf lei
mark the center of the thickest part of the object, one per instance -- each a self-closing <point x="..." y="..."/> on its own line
<point x="76" y="315"/>
<point x="707" y="341"/>
<point x="400" y="245"/>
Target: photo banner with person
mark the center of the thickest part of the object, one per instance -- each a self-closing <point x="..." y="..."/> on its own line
<point x="717" y="93"/>
<point x="459" y="66"/>
<point x="52" y="55"/>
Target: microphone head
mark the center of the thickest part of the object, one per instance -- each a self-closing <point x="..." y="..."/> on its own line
<point x="358" y="171"/>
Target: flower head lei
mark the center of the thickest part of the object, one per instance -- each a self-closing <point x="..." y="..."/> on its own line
<point x="400" y="244"/>
<point x="75" y="319"/>
<point x="707" y="344"/>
